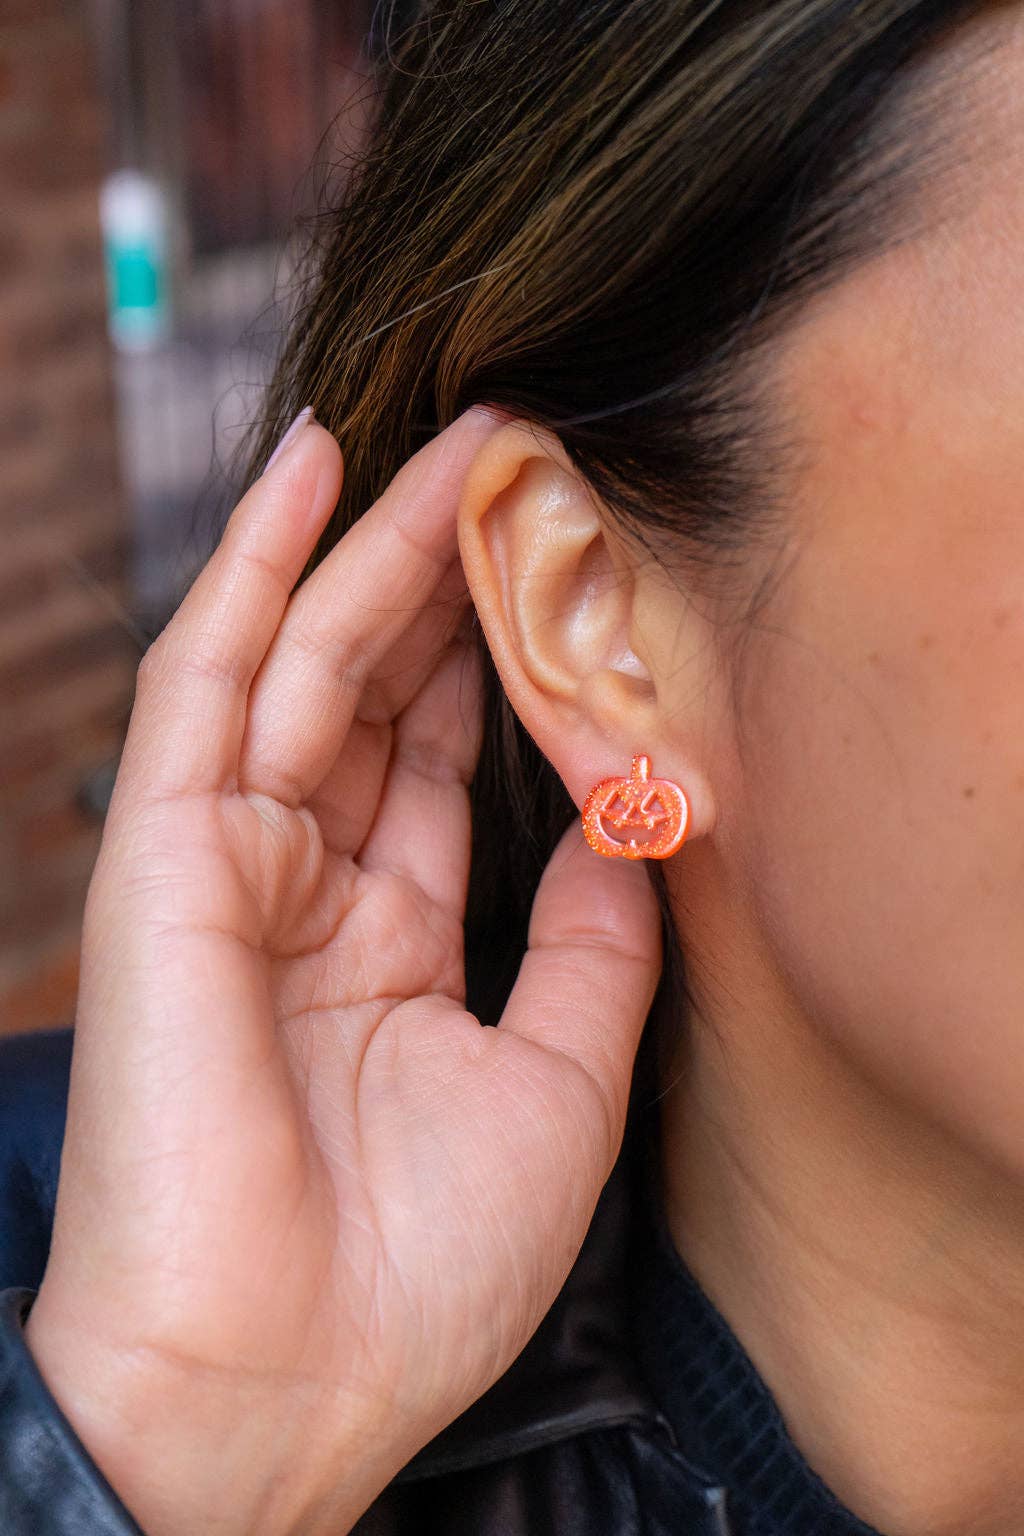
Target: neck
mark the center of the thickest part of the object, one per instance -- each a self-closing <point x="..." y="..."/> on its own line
<point x="871" y="1265"/>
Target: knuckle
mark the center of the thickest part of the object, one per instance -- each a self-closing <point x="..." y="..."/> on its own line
<point x="150" y="664"/>
<point x="267" y="572"/>
<point x="606" y="1116"/>
<point x="309" y="643"/>
<point x="346" y="658"/>
<point x="213" y="662"/>
<point x="203" y="655"/>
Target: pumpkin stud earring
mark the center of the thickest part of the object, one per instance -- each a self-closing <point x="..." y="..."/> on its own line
<point x="655" y="807"/>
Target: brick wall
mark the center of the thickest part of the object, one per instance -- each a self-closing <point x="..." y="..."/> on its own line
<point x="67" y="663"/>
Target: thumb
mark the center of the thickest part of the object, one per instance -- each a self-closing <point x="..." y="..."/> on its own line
<point x="591" y="968"/>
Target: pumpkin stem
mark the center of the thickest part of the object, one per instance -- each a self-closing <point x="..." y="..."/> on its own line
<point x="641" y="767"/>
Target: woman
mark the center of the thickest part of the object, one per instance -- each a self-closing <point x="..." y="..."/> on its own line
<point x="675" y="359"/>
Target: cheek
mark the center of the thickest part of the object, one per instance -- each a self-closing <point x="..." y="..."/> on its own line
<point x="883" y="759"/>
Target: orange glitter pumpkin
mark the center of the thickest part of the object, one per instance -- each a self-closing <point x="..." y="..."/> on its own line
<point x="640" y="804"/>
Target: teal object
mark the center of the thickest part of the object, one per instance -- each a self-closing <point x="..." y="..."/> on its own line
<point x="134" y="218"/>
<point x="136" y="280"/>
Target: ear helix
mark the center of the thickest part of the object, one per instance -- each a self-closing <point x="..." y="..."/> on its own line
<point x="657" y="808"/>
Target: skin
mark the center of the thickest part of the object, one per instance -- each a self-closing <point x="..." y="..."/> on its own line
<point x="843" y="1143"/>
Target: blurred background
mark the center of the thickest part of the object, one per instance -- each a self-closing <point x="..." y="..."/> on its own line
<point x="155" y="156"/>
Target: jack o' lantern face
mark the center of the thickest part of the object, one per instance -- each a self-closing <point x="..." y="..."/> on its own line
<point x="636" y="817"/>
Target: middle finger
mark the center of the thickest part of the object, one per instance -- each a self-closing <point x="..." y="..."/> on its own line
<point x="350" y="614"/>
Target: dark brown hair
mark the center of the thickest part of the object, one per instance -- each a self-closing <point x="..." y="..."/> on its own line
<point x="598" y="214"/>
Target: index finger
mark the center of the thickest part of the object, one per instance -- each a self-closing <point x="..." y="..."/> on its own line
<point x="193" y="708"/>
<point x="352" y="611"/>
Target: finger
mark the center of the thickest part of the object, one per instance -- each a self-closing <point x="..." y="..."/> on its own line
<point x="589" y="975"/>
<point x="188" y="720"/>
<point x="422" y="828"/>
<point x="346" y="618"/>
<point x="402" y="672"/>
<point x="345" y="801"/>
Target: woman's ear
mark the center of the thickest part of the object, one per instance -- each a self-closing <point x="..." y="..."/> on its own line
<point x="562" y="602"/>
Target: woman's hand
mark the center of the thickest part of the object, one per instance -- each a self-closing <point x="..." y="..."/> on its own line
<point x="309" y="1209"/>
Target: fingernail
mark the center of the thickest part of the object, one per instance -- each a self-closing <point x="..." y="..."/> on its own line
<point x="304" y="417"/>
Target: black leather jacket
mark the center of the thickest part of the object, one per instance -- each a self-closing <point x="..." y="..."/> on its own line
<point x="568" y="1442"/>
